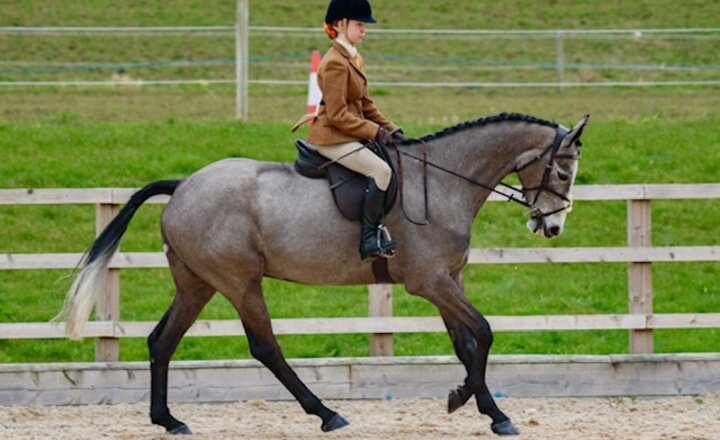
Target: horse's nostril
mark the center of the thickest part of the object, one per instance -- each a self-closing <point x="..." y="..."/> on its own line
<point x="553" y="231"/>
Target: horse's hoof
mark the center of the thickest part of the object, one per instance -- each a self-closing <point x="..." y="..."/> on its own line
<point x="457" y="398"/>
<point x="504" y="428"/>
<point x="336" y="422"/>
<point x="181" y="430"/>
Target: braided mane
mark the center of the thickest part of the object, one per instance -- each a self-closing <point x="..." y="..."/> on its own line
<point x="502" y="117"/>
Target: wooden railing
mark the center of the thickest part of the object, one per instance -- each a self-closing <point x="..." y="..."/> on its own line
<point x="380" y="324"/>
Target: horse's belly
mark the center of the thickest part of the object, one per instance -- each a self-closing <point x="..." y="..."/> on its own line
<point x="303" y="237"/>
<point x="312" y="249"/>
<point x="320" y="272"/>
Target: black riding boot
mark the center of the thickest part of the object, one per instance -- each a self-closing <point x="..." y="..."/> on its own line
<point x="371" y="242"/>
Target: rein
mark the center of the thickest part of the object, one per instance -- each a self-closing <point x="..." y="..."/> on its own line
<point x="552" y="149"/>
<point x="425" y="162"/>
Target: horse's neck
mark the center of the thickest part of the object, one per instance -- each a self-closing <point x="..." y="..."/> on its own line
<point x="487" y="154"/>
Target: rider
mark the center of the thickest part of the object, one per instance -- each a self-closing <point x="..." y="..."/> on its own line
<point x="347" y="115"/>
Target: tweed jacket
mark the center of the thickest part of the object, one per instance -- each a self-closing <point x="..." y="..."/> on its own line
<point x="346" y="113"/>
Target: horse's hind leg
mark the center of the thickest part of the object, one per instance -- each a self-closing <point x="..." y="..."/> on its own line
<point x="265" y="348"/>
<point x="192" y="294"/>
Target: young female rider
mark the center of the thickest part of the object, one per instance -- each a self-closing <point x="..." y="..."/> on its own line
<point x="347" y="115"/>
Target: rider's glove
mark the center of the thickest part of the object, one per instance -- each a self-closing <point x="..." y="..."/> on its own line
<point x="398" y="134"/>
<point x="383" y="137"/>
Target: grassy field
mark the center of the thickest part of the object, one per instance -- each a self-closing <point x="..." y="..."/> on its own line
<point x="68" y="154"/>
<point x="444" y="14"/>
<point x="126" y="137"/>
<point x="391" y="58"/>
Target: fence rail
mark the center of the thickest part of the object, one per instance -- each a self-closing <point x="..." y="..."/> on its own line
<point x="639" y="254"/>
<point x="661" y="254"/>
<point x="375" y="325"/>
<point x="242" y="32"/>
<point x="318" y="30"/>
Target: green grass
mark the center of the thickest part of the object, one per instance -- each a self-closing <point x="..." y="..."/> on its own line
<point x="280" y="55"/>
<point x="79" y="154"/>
<point x="126" y="137"/>
<point x="418" y="111"/>
<point x="461" y="14"/>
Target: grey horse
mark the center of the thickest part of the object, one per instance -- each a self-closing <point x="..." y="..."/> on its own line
<point x="237" y="220"/>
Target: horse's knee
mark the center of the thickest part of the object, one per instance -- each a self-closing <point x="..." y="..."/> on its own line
<point x="158" y="355"/>
<point x="153" y="343"/>
<point x="485" y="335"/>
<point x="154" y="336"/>
<point x="265" y="352"/>
<point x="467" y="342"/>
<point x="469" y="345"/>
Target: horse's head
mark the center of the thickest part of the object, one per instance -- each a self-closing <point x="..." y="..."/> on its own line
<point x="548" y="178"/>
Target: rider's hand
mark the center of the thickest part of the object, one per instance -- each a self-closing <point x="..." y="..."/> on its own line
<point x="383" y="137"/>
<point x="398" y="134"/>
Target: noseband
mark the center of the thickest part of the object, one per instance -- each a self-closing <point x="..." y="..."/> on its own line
<point x="535" y="212"/>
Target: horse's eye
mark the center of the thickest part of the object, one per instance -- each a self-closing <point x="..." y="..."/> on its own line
<point x="562" y="175"/>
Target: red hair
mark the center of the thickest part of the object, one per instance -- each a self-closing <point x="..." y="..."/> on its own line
<point x="330" y="31"/>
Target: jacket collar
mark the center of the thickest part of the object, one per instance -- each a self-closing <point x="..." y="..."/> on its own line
<point x="339" y="47"/>
<point x="352" y="50"/>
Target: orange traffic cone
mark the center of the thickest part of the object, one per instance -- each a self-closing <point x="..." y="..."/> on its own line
<point x="314" y="93"/>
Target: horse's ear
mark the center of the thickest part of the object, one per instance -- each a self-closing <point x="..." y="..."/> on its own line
<point x="576" y="132"/>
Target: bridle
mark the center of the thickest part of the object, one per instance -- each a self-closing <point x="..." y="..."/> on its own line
<point x="534" y="212"/>
<point x="543" y="186"/>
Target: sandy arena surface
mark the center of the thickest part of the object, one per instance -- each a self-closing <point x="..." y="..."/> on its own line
<point x="676" y="418"/>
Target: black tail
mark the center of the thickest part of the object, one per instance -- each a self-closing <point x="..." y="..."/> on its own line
<point x="83" y="293"/>
<point x="110" y="237"/>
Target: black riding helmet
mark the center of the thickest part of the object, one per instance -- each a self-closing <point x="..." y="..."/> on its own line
<point x="359" y="10"/>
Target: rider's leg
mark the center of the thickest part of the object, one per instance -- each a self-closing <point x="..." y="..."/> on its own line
<point x="371" y="240"/>
<point x="354" y="156"/>
<point x="363" y="161"/>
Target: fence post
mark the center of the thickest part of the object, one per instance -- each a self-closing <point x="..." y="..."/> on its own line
<point x="640" y="294"/>
<point x="380" y="303"/>
<point x="107" y="307"/>
<point x="241" y="60"/>
<point x="560" y="57"/>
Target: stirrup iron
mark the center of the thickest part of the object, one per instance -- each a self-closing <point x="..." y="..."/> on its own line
<point x="386" y="240"/>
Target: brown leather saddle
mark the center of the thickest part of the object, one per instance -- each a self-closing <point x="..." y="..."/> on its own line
<point x="347" y="186"/>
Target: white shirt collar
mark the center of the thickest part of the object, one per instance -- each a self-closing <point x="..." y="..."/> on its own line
<point x="352" y="50"/>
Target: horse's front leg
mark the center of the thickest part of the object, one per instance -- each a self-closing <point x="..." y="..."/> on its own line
<point x="466" y="350"/>
<point x="472" y="337"/>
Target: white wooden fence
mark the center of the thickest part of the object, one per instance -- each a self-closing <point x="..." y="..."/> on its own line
<point x="639" y="254"/>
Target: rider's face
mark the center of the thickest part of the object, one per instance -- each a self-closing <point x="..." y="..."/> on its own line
<point x="355" y="31"/>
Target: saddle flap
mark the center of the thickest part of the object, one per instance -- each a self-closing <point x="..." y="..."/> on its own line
<point x="348" y="187"/>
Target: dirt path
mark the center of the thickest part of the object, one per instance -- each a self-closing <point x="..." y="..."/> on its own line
<point x="676" y="418"/>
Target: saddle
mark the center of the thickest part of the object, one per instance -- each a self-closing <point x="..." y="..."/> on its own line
<point x="347" y="186"/>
